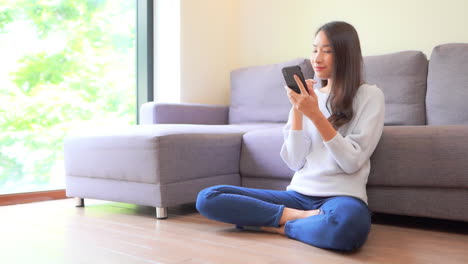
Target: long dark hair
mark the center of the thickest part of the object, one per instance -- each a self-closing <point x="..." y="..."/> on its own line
<point x="347" y="70"/>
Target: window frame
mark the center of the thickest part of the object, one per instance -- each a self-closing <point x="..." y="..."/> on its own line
<point x="145" y="54"/>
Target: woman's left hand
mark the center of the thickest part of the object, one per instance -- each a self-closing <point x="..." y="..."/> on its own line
<point x="305" y="102"/>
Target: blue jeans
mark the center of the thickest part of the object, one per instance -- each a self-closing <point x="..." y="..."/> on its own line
<point x="343" y="223"/>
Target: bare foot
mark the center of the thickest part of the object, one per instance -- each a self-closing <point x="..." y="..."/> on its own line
<point x="276" y="230"/>
<point x="288" y="215"/>
<point x="293" y="214"/>
<point x="311" y="213"/>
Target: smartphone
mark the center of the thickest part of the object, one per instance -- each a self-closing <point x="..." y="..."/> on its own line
<point x="288" y="74"/>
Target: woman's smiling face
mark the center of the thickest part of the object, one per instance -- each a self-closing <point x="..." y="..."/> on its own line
<point x="322" y="57"/>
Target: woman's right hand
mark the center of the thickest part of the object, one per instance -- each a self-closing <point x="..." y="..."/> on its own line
<point x="296" y="117"/>
<point x="310" y="86"/>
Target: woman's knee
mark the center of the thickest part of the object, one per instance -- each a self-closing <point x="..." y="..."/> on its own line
<point x="351" y="227"/>
<point x="348" y="234"/>
<point x="204" y="203"/>
<point x="347" y="223"/>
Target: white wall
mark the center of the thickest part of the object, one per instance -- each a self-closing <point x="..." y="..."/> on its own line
<point x="221" y="35"/>
<point x="209" y="49"/>
<point x="390" y="26"/>
<point x="271" y="31"/>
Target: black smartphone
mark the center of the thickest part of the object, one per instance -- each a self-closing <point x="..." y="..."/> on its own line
<point x="288" y="74"/>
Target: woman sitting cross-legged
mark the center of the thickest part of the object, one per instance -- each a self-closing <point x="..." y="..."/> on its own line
<point x="328" y="140"/>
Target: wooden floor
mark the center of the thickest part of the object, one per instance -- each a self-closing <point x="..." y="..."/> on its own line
<point x="105" y="232"/>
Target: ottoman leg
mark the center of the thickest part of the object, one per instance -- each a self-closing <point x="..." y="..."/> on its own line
<point x="79" y="202"/>
<point x="161" y="212"/>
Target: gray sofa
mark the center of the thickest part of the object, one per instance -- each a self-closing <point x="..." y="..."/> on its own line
<point x="420" y="166"/>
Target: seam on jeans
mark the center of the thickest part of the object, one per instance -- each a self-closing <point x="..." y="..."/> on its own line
<point x="278" y="215"/>
<point x="212" y="193"/>
<point x="287" y="227"/>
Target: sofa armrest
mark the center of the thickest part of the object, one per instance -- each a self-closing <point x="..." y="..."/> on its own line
<point x="183" y="113"/>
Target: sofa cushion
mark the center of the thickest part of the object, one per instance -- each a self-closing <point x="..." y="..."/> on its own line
<point x="421" y="156"/>
<point x="410" y="156"/>
<point x="260" y="154"/>
<point x="257" y="93"/>
<point x="447" y="85"/>
<point x="443" y="203"/>
<point x="156" y="154"/>
<point x="402" y="77"/>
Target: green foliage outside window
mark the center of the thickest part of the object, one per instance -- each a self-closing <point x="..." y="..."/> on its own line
<point x="84" y="76"/>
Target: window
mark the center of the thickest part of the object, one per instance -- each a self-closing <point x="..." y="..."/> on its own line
<point x="66" y="65"/>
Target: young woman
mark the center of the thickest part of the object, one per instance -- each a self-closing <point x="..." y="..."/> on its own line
<point x="328" y="140"/>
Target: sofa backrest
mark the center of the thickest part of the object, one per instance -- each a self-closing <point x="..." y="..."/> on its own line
<point x="447" y="85"/>
<point x="258" y="95"/>
<point x="402" y="77"/>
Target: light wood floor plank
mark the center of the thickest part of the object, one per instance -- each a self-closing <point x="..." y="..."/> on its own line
<point x="106" y="232"/>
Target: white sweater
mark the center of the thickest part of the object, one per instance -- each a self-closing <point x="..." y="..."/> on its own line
<point x="341" y="165"/>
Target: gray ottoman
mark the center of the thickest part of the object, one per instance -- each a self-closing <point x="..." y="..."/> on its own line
<point x="155" y="165"/>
